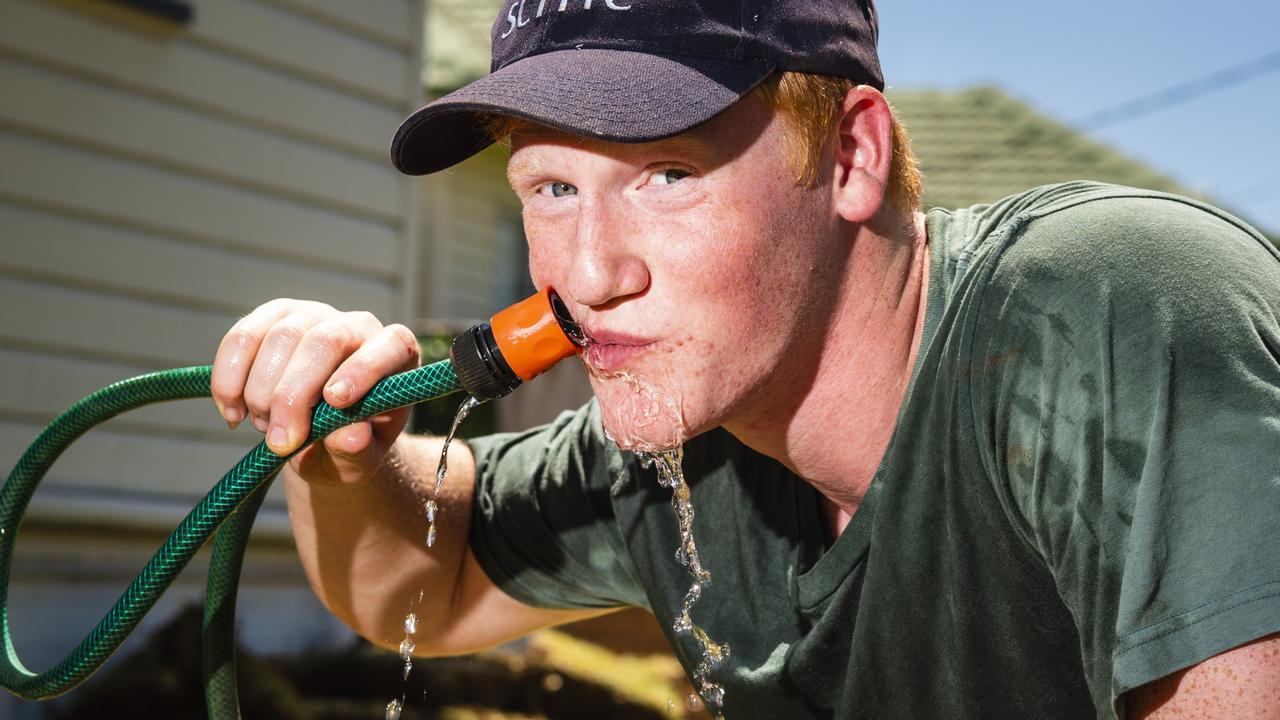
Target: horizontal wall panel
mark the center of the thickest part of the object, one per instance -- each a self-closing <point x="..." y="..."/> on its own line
<point x="106" y="327"/>
<point x="284" y="39"/>
<point x="476" y="208"/>
<point x="467" y="268"/>
<point x="158" y="132"/>
<point x="391" y="22"/>
<point x="197" y="77"/>
<point x="41" y="387"/>
<point x="57" y="506"/>
<point x="42" y="245"/>
<point x="127" y="462"/>
<point x="482" y="250"/>
<point x="47" y="173"/>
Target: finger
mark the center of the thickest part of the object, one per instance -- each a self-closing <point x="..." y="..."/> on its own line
<point x="273" y="356"/>
<point x="392" y="350"/>
<point x="235" y="356"/>
<point x="346" y="455"/>
<point x="388" y="426"/>
<point x="348" y="444"/>
<point x="323" y="348"/>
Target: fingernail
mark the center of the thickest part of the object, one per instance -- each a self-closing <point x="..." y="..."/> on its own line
<point x="340" y="390"/>
<point x="260" y="423"/>
<point x="278" y="438"/>
<point x="233" y="425"/>
<point x="233" y="415"/>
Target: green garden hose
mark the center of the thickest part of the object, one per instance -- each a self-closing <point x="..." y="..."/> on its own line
<point x="236" y="496"/>
<point x="488" y="361"/>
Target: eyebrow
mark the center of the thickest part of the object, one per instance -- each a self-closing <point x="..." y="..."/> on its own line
<point x="522" y="167"/>
<point x="685" y="144"/>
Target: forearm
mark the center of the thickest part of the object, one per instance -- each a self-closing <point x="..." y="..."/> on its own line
<point x="363" y="545"/>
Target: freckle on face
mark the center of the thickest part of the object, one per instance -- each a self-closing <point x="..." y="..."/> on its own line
<point x="722" y="274"/>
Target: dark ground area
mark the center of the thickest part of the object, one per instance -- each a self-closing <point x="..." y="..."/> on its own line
<point x="553" y="675"/>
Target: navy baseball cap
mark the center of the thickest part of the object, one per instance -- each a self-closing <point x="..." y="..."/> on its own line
<point x="636" y="70"/>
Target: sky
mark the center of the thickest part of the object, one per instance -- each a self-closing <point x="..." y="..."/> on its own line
<point x="1070" y="60"/>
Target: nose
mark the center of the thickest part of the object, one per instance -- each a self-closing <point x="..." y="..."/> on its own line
<point x="606" y="264"/>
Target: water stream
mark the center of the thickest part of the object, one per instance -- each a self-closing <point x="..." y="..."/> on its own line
<point x="671" y="475"/>
<point x="442" y="469"/>
<point x="668" y="464"/>
<point x="431" y="510"/>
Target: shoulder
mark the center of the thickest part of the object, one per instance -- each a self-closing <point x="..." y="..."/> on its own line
<point x="1092" y="254"/>
<point x="1141" y="237"/>
<point x="570" y="450"/>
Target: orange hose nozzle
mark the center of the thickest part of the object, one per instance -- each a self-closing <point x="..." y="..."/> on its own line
<point x="532" y="335"/>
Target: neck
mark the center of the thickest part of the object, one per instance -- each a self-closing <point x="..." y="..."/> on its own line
<point x="835" y="433"/>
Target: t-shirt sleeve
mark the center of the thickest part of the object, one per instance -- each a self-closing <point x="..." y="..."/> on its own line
<point x="1130" y="408"/>
<point x="542" y="524"/>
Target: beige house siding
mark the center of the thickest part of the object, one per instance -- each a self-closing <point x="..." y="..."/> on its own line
<point x="476" y="263"/>
<point x="471" y="219"/>
<point x="157" y="181"/>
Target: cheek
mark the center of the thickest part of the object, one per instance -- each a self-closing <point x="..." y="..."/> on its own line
<point x="548" y="258"/>
<point x="746" y="263"/>
<point x="755" y="291"/>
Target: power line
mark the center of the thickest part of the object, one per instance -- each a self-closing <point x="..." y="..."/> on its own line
<point x="1181" y="93"/>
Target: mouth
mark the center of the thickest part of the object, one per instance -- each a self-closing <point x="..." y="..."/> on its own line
<point x="610" y="351"/>
<point x="610" y="357"/>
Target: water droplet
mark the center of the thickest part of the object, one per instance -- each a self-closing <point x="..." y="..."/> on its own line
<point x="683" y="623"/>
<point x="692" y="702"/>
<point x="393" y="709"/>
<point x="406" y="654"/>
<point x="431" y="536"/>
<point x="431" y="509"/>
<point x="552" y="682"/>
<point x="410" y="624"/>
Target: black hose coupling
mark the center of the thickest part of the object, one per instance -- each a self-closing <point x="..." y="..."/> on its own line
<point x="492" y="359"/>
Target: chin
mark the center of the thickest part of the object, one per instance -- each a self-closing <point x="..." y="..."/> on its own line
<point x="639" y="414"/>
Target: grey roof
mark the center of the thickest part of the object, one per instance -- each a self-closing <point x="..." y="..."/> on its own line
<point x="979" y="145"/>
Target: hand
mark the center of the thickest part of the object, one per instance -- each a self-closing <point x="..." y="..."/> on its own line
<point x="277" y="363"/>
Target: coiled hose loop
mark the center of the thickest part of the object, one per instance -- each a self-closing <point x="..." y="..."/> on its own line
<point x="237" y="495"/>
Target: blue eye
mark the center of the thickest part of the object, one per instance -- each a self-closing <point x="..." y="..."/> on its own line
<point x="558" y="189"/>
<point x="670" y="176"/>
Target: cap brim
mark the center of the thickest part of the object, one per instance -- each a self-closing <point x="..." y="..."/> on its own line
<point x="615" y="95"/>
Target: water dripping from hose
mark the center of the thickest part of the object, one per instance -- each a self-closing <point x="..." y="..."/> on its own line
<point x="432" y="510"/>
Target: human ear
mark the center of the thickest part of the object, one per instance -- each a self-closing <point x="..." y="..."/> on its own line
<point x="864" y="154"/>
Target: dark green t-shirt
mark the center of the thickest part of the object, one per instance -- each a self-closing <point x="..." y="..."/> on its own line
<point x="1082" y="492"/>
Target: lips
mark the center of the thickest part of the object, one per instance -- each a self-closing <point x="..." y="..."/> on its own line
<point x="608" y="351"/>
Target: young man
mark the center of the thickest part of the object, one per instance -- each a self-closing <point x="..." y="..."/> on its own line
<point x="1018" y="460"/>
